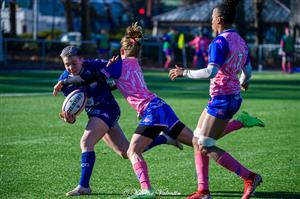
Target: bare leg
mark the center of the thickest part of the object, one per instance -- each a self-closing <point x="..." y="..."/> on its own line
<point x="117" y="141"/>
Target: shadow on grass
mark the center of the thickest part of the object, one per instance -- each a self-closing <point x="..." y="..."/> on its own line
<point x="222" y="194"/>
<point x="258" y="194"/>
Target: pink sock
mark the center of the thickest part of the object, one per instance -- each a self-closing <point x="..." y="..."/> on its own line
<point x="167" y="63"/>
<point x="283" y="68"/>
<point x="233" y="126"/>
<point x="202" y="164"/>
<point x="141" y="171"/>
<point x="233" y="165"/>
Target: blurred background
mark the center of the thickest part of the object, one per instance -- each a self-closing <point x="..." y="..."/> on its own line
<point x="33" y="32"/>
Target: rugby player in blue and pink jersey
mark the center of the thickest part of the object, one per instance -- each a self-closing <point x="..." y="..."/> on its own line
<point x="228" y="56"/>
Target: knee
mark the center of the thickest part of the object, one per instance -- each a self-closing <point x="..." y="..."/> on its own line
<point x="195" y="142"/>
<point x="85" y="145"/>
<point x="132" y="153"/>
<point x="204" y="150"/>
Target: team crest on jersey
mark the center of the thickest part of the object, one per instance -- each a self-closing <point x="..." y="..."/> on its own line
<point x="220" y="112"/>
<point x="147" y="119"/>
<point x="218" y="41"/>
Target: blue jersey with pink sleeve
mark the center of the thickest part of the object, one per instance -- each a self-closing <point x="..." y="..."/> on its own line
<point x="230" y="53"/>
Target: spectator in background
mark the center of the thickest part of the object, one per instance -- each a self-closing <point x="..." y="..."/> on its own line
<point x="102" y="40"/>
<point x="200" y="44"/>
<point x="204" y="44"/>
<point x="168" y="47"/>
<point x="286" y="51"/>
<point x="195" y="43"/>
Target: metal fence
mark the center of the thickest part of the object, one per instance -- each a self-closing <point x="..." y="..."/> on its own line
<point x="44" y="54"/>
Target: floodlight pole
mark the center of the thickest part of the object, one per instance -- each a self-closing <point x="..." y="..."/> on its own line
<point x="1" y="32"/>
<point x="35" y="19"/>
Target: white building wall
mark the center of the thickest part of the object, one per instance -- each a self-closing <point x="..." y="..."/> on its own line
<point x="24" y="22"/>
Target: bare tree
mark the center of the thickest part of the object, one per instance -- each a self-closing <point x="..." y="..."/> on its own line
<point x="12" y="17"/>
<point x="68" y="14"/>
<point x="85" y="20"/>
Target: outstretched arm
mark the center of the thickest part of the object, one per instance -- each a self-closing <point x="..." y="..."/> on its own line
<point x="57" y="88"/>
<point x="205" y="73"/>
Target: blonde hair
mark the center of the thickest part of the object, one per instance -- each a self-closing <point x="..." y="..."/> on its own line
<point x="132" y="40"/>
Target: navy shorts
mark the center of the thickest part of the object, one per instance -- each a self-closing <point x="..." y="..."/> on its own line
<point x="168" y="51"/>
<point x="110" y="114"/>
<point x="224" y="106"/>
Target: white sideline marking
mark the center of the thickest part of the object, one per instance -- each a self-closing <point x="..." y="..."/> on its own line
<point x="23" y="94"/>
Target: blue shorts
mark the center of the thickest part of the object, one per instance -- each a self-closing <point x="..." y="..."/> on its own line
<point x="159" y="113"/>
<point x="109" y="114"/>
<point x="168" y="51"/>
<point x="224" y="106"/>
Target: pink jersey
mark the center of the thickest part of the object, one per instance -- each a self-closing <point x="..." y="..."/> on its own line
<point x="196" y="43"/>
<point x="235" y="52"/>
<point x="132" y="85"/>
<point x="200" y="43"/>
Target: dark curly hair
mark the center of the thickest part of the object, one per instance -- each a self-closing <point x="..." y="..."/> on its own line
<point x="227" y="10"/>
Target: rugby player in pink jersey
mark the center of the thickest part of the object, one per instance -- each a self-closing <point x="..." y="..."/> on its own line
<point x="228" y="56"/>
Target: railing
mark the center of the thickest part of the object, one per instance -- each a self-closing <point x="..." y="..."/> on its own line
<point x="44" y="54"/>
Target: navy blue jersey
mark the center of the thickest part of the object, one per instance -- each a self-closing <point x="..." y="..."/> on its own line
<point x="98" y="93"/>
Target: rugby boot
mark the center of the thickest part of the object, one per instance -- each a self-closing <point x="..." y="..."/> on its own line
<point x="79" y="190"/>
<point x="250" y="185"/>
<point x="249" y="121"/>
<point x="200" y="195"/>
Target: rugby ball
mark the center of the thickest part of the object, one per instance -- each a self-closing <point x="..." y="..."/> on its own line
<point x="75" y="102"/>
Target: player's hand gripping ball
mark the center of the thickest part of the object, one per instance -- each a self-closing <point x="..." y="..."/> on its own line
<point x="73" y="104"/>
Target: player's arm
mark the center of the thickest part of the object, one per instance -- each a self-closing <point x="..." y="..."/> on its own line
<point x="112" y="69"/>
<point x="206" y="73"/>
<point x="59" y="85"/>
<point x="57" y="88"/>
<point x="218" y="52"/>
<point x="245" y="76"/>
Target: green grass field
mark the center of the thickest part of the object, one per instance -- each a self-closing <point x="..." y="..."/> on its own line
<point x="40" y="154"/>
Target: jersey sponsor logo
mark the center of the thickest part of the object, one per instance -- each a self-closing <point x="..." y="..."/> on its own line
<point x="93" y="85"/>
<point x="105" y="115"/>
